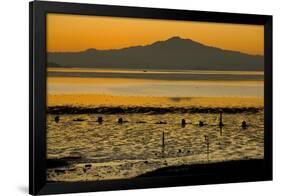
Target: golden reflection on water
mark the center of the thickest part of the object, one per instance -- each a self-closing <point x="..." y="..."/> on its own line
<point x="78" y="80"/>
<point x="109" y="100"/>
<point x="95" y="99"/>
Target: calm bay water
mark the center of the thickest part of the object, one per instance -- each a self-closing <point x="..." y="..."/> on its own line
<point x="156" y="83"/>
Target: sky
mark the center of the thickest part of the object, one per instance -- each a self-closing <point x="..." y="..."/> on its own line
<point x="74" y="33"/>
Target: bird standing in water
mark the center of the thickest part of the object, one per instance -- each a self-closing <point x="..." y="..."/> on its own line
<point x="100" y="120"/>
<point x="57" y="119"/>
<point x="120" y="120"/>
<point x="244" y="124"/>
<point x="183" y="123"/>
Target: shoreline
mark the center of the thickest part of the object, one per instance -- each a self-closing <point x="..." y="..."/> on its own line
<point x="172" y="76"/>
<point x="224" y="167"/>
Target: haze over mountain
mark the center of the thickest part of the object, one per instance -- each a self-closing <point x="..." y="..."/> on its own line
<point x="174" y="53"/>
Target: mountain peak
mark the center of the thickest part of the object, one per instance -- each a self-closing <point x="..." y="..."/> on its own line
<point x="174" y="38"/>
<point x="91" y="50"/>
<point x="178" y="39"/>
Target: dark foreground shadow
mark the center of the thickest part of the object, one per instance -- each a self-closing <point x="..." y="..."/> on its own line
<point x="62" y="162"/>
<point x="252" y="166"/>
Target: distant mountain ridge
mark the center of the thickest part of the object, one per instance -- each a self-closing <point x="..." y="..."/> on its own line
<point x="174" y="53"/>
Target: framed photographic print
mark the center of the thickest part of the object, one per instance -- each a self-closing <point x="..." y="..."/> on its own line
<point x="127" y="97"/>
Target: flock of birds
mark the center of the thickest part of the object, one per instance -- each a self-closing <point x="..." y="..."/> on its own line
<point x="244" y="125"/>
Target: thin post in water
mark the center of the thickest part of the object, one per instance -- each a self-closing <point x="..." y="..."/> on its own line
<point x="207" y="145"/>
<point x="221" y="123"/>
<point x="163" y="144"/>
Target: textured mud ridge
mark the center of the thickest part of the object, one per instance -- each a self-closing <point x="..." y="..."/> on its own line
<point x="150" y="110"/>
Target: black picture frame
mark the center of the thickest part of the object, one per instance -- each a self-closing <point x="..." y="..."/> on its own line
<point x="37" y="104"/>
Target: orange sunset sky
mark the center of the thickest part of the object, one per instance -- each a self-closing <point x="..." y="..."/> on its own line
<point x="77" y="33"/>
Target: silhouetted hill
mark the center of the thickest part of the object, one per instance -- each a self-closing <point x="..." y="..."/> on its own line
<point x="174" y="53"/>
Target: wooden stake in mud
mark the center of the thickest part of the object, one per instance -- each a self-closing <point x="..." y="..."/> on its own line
<point x="207" y="143"/>
<point x="221" y="123"/>
<point x="163" y="144"/>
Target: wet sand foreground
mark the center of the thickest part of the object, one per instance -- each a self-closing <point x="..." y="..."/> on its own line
<point x="82" y="148"/>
